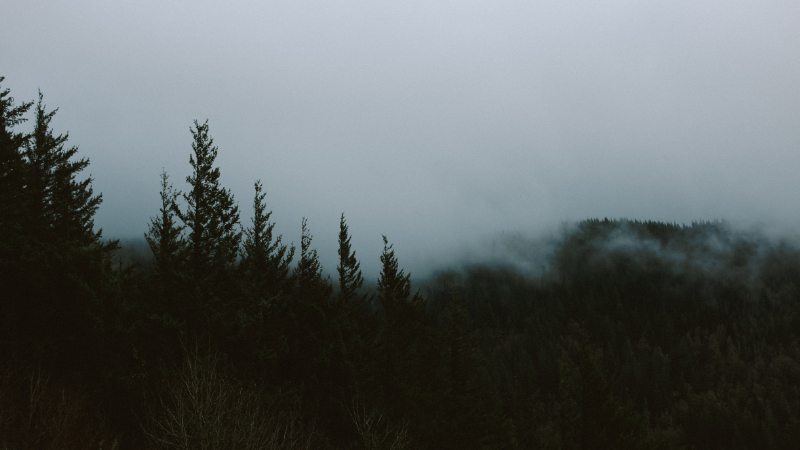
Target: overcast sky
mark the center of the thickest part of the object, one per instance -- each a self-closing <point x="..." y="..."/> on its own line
<point x="437" y="123"/>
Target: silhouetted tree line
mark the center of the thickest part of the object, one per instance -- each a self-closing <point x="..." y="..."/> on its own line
<point x="638" y="334"/>
<point x="643" y="335"/>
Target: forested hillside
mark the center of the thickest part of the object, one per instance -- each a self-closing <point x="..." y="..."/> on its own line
<point x="635" y="335"/>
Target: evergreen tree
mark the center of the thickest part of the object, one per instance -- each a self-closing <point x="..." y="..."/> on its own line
<point x="169" y="289"/>
<point x="352" y="326"/>
<point x="308" y="273"/>
<point x="12" y="212"/>
<point x="265" y="262"/>
<point x="213" y="237"/>
<point x="165" y="235"/>
<point x="350" y="279"/>
<point x="60" y="208"/>
<point x="409" y="356"/>
<point x="12" y="167"/>
<point x="311" y="333"/>
<point x="266" y="284"/>
<point x="60" y="293"/>
<point x="394" y="290"/>
<point x="211" y="216"/>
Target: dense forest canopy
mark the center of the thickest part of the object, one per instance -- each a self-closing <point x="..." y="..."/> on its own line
<point x="634" y="335"/>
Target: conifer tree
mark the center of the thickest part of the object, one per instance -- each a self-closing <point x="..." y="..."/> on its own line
<point x="60" y="292"/>
<point x="169" y="290"/>
<point x="350" y="279"/>
<point x="165" y="235"/>
<point x="265" y="262"/>
<point x="352" y="332"/>
<point x="266" y="283"/>
<point x="211" y="216"/>
<point x="60" y="208"/>
<point x="394" y="289"/>
<point x="407" y="356"/>
<point x="308" y="273"/>
<point x="12" y="166"/>
<point x="12" y="212"/>
<point x="310" y="335"/>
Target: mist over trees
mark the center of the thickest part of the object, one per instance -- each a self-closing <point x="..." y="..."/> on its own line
<point x="635" y="335"/>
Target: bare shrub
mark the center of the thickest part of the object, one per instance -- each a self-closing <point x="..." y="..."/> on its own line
<point x="375" y="430"/>
<point x="203" y="409"/>
<point x="35" y="413"/>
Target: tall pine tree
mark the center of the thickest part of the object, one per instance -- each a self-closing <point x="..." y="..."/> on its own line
<point x="350" y="279"/>
<point x="169" y="287"/>
<point x="59" y="295"/>
<point x="12" y="169"/>
<point x="308" y="272"/>
<point x="352" y="330"/>
<point x="165" y="235"/>
<point x="12" y="212"/>
<point x="265" y="261"/>
<point x="266" y="284"/>
<point x="211" y="216"/>
<point x="409" y="358"/>
<point x="61" y="208"/>
<point x="394" y="290"/>
<point x="311" y="333"/>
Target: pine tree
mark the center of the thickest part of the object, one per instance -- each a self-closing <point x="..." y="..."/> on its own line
<point x="12" y="213"/>
<point x="394" y="290"/>
<point x="265" y="262"/>
<point x="59" y="293"/>
<point x="213" y="237"/>
<point x="60" y="208"/>
<point x="211" y="217"/>
<point x="265" y="283"/>
<point x="350" y="279"/>
<point x="352" y="332"/>
<point x="309" y="328"/>
<point x="408" y="357"/>
<point x="12" y="167"/>
<point x="165" y="235"/>
<point x="168" y="300"/>
<point x="308" y="273"/>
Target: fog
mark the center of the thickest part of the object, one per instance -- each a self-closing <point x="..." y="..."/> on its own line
<point x="443" y="125"/>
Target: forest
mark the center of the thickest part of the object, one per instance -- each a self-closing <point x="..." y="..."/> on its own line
<point x="636" y="334"/>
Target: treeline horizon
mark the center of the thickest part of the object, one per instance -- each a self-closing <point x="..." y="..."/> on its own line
<point x="636" y="335"/>
<point x="529" y="254"/>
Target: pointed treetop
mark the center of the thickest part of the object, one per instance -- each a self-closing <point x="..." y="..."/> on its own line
<point x="350" y="279"/>
<point x="211" y="216"/>
<point x="164" y="235"/>
<point x="392" y="282"/>
<point x="264" y="261"/>
<point x="64" y="206"/>
<point x="308" y="273"/>
<point x="394" y="290"/>
<point x="12" y="178"/>
<point x="10" y="115"/>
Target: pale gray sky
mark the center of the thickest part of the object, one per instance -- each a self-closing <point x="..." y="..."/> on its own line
<point x="437" y="123"/>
